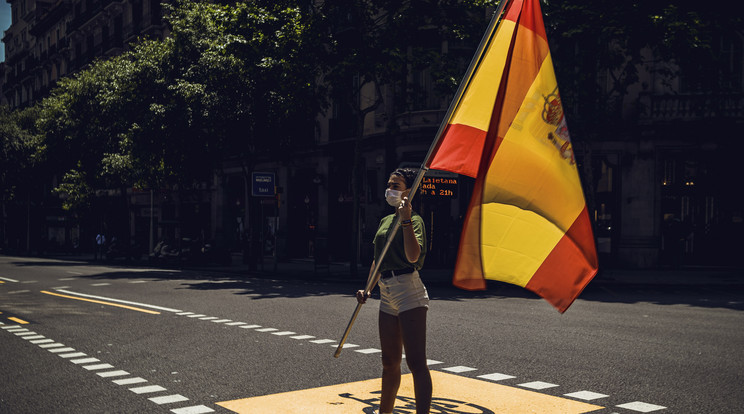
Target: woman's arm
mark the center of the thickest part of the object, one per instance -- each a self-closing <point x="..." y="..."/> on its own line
<point x="410" y="243"/>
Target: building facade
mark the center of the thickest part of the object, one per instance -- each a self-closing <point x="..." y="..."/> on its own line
<point x="662" y="194"/>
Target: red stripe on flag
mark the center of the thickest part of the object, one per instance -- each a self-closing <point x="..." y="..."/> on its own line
<point x="569" y="267"/>
<point x="460" y="150"/>
<point x="532" y="19"/>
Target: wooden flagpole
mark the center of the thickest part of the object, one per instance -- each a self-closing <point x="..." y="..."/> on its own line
<point x="374" y="277"/>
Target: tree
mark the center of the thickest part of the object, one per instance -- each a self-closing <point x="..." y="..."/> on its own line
<point x="18" y="166"/>
<point x="376" y="44"/>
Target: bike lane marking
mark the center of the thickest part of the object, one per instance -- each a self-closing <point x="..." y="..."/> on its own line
<point x="453" y="394"/>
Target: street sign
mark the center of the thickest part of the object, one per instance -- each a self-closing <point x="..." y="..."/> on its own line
<point x="264" y="184"/>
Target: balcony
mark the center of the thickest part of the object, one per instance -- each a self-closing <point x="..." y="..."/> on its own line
<point x="690" y="107"/>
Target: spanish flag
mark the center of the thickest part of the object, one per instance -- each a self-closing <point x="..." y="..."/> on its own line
<point x="527" y="223"/>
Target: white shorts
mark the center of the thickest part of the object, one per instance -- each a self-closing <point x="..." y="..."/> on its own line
<point x="402" y="293"/>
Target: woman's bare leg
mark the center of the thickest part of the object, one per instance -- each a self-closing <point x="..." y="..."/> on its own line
<point x="413" y="332"/>
<point x="392" y="353"/>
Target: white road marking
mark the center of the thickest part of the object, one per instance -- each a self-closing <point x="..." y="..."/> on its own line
<point x="56" y="350"/>
<point x="284" y="333"/>
<point x="119" y="301"/>
<point x="168" y="399"/>
<point x="65" y="279"/>
<point x="459" y="369"/>
<point x="108" y="374"/>
<point x="496" y="376"/>
<point x="346" y="346"/>
<point x="98" y="366"/>
<point x="138" y="281"/>
<point x="322" y="341"/>
<point x="250" y="326"/>
<point x="54" y="345"/>
<point x="208" y="318"/>
<point x="586" y="395"/>
<point x="185" y="313"/>
<point x="222" y="320"/>
<point x="235" y="323"/>
<point x="641" y="407"/>
<point x="127" y="381"/>
<point x="538" y="385"/>
<point x="197" y="409"/>
<point x="85" y="360"/>
<point x="101" y="284"/>
<point x="302" y="337"/>
<point x="18" y="291"/>
<point x="28" y="338"/>
<point x="198" y="315"/>
<point x="73" y="355"/>
<point x="368" y="351"/>
<point x="7" y="279"/>
<point x="147" y="389"/>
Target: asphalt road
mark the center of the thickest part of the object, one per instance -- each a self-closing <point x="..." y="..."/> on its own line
<point x="157" y="340"/>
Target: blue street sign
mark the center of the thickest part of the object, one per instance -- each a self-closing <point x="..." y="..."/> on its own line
<point x="264" y="184"/>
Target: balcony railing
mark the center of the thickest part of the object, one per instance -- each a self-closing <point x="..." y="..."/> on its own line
<point x="691" y="107"/>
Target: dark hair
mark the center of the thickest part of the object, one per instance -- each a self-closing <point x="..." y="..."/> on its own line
<point x="407" y="174"/>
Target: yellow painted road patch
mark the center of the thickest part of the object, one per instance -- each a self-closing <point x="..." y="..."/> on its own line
<point x="453" y="394"/>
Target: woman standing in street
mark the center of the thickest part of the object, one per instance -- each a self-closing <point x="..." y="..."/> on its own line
<point x="403" y="298"/>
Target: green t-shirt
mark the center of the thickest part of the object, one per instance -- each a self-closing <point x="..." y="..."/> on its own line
<point x="396" y="256"/>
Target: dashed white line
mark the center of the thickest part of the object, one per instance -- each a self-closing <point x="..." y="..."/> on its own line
<point x="283" y="333"/>
<point x="196" y="315"/>
<point x="208" y="318"/>
<point x="235" y="323"/>
<point x="54" y="345"/>
<point x="65" y="349"/>
<point x="73" y="355"/>
<point x="117" y="373"/>
<point x="322" y="341"/>
<point x="250" y="326"/>
<point x="185" y="313"/>
<point x="101" y="284"/>
<point x="266" y="330"/>
<point x="368" y="351"/>
<point x="98" y="366"/>
<point x="433" y="362"/>
<point x="641" y="407"/>
<point x="197" y="409"/>
<point x="7" y="279"/>
<point x="168" y="399"/>
<point x="28" y="338"/>
<point x="127" y="381"/>
<point x="147" y="389"/>
<point x="586" y="395"/>
<point x="85" y="360"/>
<point x="302" y="337"/>
<point x="537" y="385"/>
<point x="496" y="376"/>
<point x="459" y="369"/>
<point x="222" y="320"/>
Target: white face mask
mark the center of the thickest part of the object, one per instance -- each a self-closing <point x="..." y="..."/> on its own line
<point x="393" y="197"/>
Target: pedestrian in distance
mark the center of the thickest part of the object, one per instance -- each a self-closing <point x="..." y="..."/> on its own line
<point x="404" y="301"/>
<point x="100" y="244"/>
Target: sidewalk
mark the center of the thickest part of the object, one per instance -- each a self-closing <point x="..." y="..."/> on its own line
<point x="306" y="269"/>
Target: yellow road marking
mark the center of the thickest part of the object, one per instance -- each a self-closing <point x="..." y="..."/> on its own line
<point x="103" y="303"/>
<point x="452" y="393"/>
<point x="14" y="319"/>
